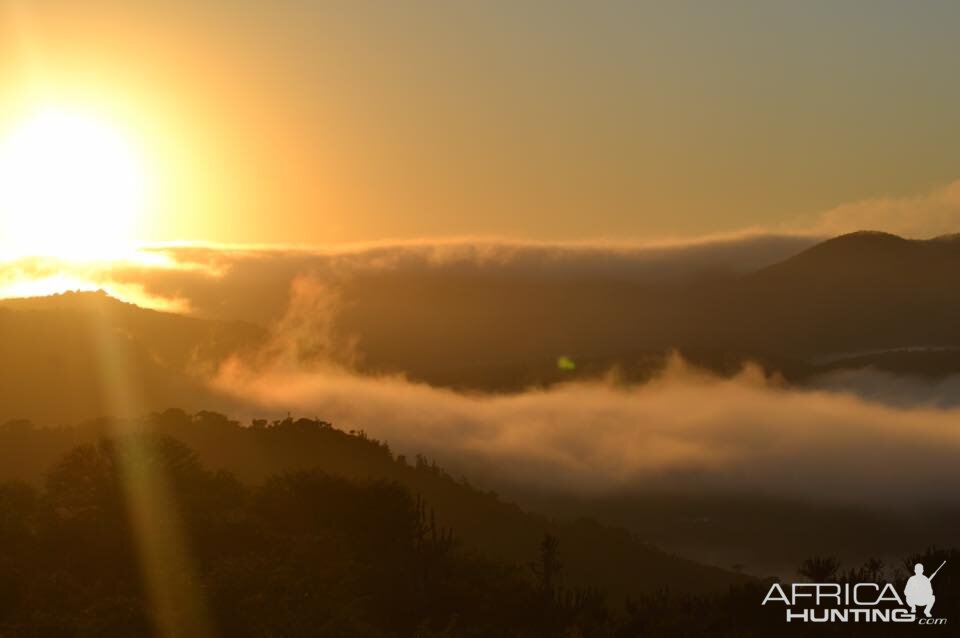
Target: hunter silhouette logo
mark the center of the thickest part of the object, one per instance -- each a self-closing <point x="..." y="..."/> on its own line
<point x="919" y="590"/>
<point x="870" y="602"/>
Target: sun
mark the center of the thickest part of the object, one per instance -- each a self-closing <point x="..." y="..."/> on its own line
<point x="71" y="186"/>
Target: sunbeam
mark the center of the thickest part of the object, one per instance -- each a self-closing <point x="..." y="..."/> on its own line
<point x="167" y="568"/>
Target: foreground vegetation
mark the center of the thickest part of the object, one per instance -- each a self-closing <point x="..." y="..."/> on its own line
<point x="129" y="534"/>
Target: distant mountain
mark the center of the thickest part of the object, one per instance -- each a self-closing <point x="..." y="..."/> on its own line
<point x="820" y="310"/>
<point x="870" y="255"/>
<point x="858" y="292"/>
<point x="862" y="292"/>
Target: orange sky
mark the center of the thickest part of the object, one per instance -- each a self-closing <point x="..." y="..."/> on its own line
<point x="332" y="122"/>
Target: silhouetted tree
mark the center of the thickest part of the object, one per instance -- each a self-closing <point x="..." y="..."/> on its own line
<point x="819" y="569"/>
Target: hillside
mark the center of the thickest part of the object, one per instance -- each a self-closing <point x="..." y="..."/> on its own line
<point x="60" y="354"/>
<point x="303" y="554"/>
<point x="857" y="292"/>
<point x="595" y="555"/>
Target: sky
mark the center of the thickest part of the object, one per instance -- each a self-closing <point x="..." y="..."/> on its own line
<point x="295" y="122"/>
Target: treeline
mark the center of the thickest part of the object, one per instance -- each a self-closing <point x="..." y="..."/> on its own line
<point x="594" y="555"/>
<point x="303" y="554"/>
<point x="131" y="536"/>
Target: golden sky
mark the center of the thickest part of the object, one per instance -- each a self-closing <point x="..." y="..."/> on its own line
<point x="326" y="122"/>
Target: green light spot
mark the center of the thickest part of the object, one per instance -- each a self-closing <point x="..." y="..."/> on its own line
<point x="566" y="363"/>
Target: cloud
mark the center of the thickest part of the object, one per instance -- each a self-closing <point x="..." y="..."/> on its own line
<point x="918" y="217"/>
<point x="253" y="283"/>
<point x="898" y="390"/>
<point x="685" y="430"/>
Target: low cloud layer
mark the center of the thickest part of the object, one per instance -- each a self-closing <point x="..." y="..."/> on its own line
<point x="685" y="430"/>
<point x="252" y="284"/>
<point x="897" y="390"/>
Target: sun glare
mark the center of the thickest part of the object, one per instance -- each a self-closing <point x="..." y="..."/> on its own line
<point x="71" y="186"/>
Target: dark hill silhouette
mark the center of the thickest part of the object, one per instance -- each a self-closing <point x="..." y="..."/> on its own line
<point x="173" y="340"/>
<point x="853" y="251"/>
<point x="595" y="555"/>
<point x="868" y="259"/>
<point x="857" y="292"/>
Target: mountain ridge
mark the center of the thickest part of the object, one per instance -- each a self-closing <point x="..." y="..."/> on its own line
<point x="859" y="292"/>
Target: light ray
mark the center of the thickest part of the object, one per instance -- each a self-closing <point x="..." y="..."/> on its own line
<point x="170" y="579"/>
